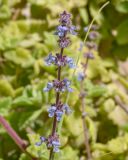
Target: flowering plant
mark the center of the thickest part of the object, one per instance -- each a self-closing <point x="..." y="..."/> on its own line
<point x="60" y="85"/>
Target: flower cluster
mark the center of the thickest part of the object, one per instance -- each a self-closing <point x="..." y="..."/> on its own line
<point x="64" y="28"/>
<point x="58" y="109"/>
<point x="51" y="142"/>
<point x="93" y="34"/>
<point x="59" y="86"/>
<point x="59" y="60"/>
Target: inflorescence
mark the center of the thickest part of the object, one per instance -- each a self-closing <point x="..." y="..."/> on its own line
<point x="58" y="109"/>
<point x="92" y="46"/>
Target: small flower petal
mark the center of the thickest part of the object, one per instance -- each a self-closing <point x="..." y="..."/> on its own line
<point x="81" y="76"/>
<point x="49" y="59"/>
<point x="59" y="115"/>
<point x="56" y="149"/>
<point x="70" y="62"/>
<point x="67" y="109"/>
<point x="48" y="87"/>
<point x="38" y="143"/>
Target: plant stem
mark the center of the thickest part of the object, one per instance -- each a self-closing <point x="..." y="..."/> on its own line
<point x="21" y="144"/>
<point x="86" y="134"/>
<point x="51" y="157"/>
<point x="12" y="133"/>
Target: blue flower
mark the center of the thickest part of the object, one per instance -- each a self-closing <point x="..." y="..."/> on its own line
<point x="72" y="30"/>
<point x="51" y="111"/>
<point x="93" y="35"/>
<point x="70" y="62"/>
<point x="64" y="42"/>
<point x="65" y="18"/>
<point x="86" y="29"/>
<point x="67" y="84"/>
<point x="50" y="59"/>
<point x="48" y="87"/>
<point x="67" y="109"/>
<point x="56" y="145"/>
<point x="61" y="30"/>
<point x="42" y="139"/>
<point x="59" y="115"/>
<point x="89" y="55"/>
<point x="38" y="143"/>
<point x="81" y="76"/>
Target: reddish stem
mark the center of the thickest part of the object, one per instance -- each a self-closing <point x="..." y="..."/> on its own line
<point x="86" y="134"/>
<point x="20" y="143"/>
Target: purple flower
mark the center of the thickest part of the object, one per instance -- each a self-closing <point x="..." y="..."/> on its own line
<point x="56" y="145"/>
<point x="91" y="45"/>
<point x="93" y="35"/>
<point x="53" y="142"/>
<point x="38" y="143"/>
<point x="60" y="60"/>
<point x="89" y="55"/>
<point x="51" y="111"/>
<point x="86" y="29"/>
<point x="42" y="139"/>
<point x="59" y="115"/>
<point x="61" y="30"/>
<point x="65" y="18"/>
<point x="67" y="84"/>
<point x="67" y="109"/>
<point x="64" y="42"/>
<point x="72" y="30"/>
<point x="48" y="87"/>
<point x="93" y="27"/>
<point x="70" y="62"/>
<point x="50" y="59"/>
<point x="81" y="76"/>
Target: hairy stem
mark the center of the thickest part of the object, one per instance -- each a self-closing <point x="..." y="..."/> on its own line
<point x="51" y="157"/>
<point x="12" y="133"/>
<point x="86" y="134"/>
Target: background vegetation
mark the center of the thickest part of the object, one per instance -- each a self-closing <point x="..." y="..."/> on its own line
<point x="26" y="37"/>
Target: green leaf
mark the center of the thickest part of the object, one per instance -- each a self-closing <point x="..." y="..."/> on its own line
<point x="23" y="156"/>
<point x="67" y="154"/>
<point x="84" y="15"/>
<point x="122" y="6"/>
<point x="6" y="88"/>
<point x="109" y="105"/>
<point x="77" y="125"/>
<point x="118" y="145"/>
<point x="28" y="118"/>
<point x="5" y="12"/>
<point x="37" y="151"/>
<point x="96" y="91"/>
<point x="122" y="29"/>
<point x="5" y="106"/>
<point x="22" y="101"/>
<point x="20" y="56"/>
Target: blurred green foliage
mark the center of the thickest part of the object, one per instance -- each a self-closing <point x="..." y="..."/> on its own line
<point x="26" y="37"/>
